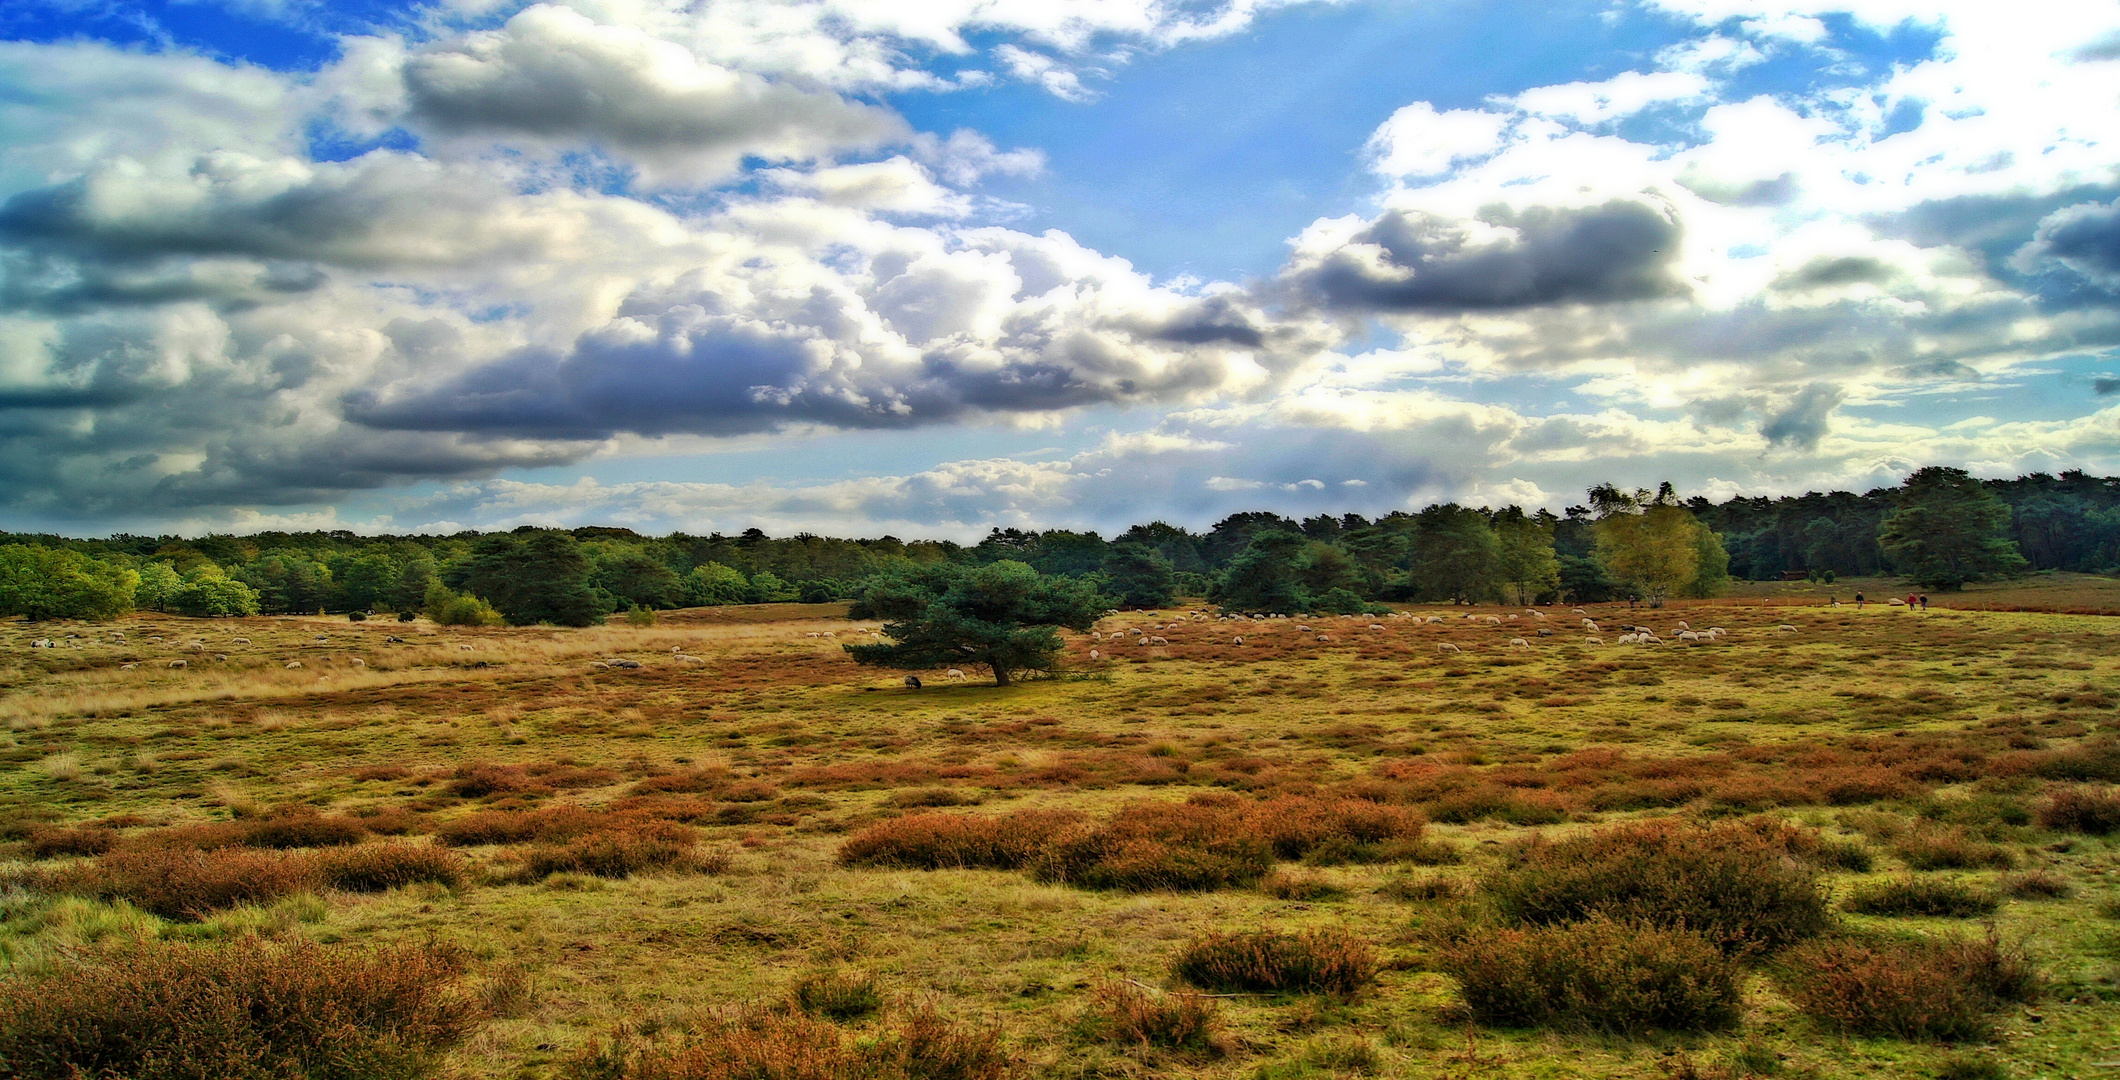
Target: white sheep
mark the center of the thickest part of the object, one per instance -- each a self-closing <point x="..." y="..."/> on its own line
<point x="1787" y="629"/>
<point x="1519" y="643"/>
<point x="1239" y="640"/>
<point x="463" y="648"/>
<point x="1376" y="626"/>
<point x="1629" y="639"/>
<point x="1325" y="637"/>
<point x="293" y="664"/>
<point x="128" y="667"/>
<point x="1688" y="635"/>
<point x="1494" y="621"/>
<point x="1446" y="647"/>
<point x="1535" y="614"/>
<point x="954" y="675"/>
<point x="688" y="658"/>
<point x="1684" y="625"/>
<point x="1158" y="641"/>
<point x="1593" y="640"/>
<point x="358" y="662"/>
<point x="1095" y="655"/>
<point x="598" y="665"/>
<point x="242" y="641"/>
<point x="220" y="657"/>
<point x="179" y="663"/>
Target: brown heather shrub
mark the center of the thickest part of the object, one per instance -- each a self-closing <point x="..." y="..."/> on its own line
<point x="1149" y="847"/>
<point x="390" y="820"/>
<point x="837" y="995"/>
<point x="1286" y="886"/>
<point x="1486" y="801"/>
<point x="1941" y="990"/>
<point x="187" y="884"/>
<point x="300" y="827"/>
<point x="1951" y="849"/>
<point x="955" y="841"/>
<point x="2090" y="810"/>
<point x="1598" y="975"/>
<point x="693" y="782"/>
<point x="382" y="867"/>
<point x="619" y="853"/>
<point x="1921" y="896"/>
<point x="54" y="842"/>
<point x="760" y="1044"/>
<point x="921" y="798"/>
<point x="516" y="826"/>
<point x="1311" y="962"/>
<point x="2037" y="885"/>
<point x="249" y="1009"/>
<point x="1181" y="1022"/>
<point x="1741" y="888"/>
<point x="2096" y="760"/>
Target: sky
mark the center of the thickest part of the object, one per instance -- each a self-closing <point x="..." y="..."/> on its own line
<point x="859" y="267"/>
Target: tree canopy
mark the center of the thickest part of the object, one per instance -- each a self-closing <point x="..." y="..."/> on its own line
<point x="1945" y="530"/>
<point x="1004" y="616"/>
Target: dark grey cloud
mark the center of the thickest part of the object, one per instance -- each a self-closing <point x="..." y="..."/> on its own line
<point x="1777" y="191"/>
<point x="1845" y="270"/>
<point x="2104" y="385"/>
<point x="1804" y="419"/>
<point x="2085" y="238"/>
<point x="1619" y="251"/>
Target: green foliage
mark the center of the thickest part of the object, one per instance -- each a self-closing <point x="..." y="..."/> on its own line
<point x="206" y="592"/>
<point x="712" y="584"/>
<point x="636" y="578"/>
<point x="54" y="583"/>
<point x="445" y="607"/>
<point x="640" y="616"/>
<point x="1658" y="547"/>
<point x="1456" y="555"/>
<point x="1004" y="616"/>
<point x="1923" y="897"/>
<point x="1263" y="577"/>
<point x="158" y="583"/>
<point x="1946" y="529"/>
<point x="1526" y="561"/>
<point x="1139" y="576"/>
<point x="288" y="583"/>
<point x="541" y="579"/>
<point x="767" y="588"/>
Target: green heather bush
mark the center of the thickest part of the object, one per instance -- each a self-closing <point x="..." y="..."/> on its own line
<point x="2095" y="811"/>
<point x="1951" y="849"/>
<point x="1921" y="896"/>
<point x="1311" y="962"/>
<point x="1180" y="1022"/>
<point x="1939" y="990"/>
<point x="382" y="867"/>
<point x="764" y="1044"/>
<point x="1739" y="886"/>
<point x="1597" y="975"/>
<point x="249" y="1009"/>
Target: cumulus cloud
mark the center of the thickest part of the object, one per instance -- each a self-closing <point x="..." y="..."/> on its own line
<point x="1409" y="261"/>
<point x="2084" y="238"/>
<point x="552" y="74"/>
<point x="1419" y="141"/>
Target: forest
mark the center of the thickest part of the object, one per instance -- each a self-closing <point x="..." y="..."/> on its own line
<point x="1940" y="528"/>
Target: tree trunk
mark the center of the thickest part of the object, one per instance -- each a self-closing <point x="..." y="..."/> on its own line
<point x="1000" y="675"/>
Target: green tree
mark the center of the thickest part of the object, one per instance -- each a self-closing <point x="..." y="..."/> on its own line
<point x="368" y="581"/>
<point x="1139" y="576"/>
<point x="637" y="580"/>
<point x="158" y="582"/>
<point x="1004" y="615"/>
<point x="767" y="588"/>
<point x="712" y="583"/>
<point x="1525" y="558"/>
<point x="448" y="608"/>
<point x="1456" y="555"/>
<point x="541" y="579"/>
<point x="206" y="592"/>
<point x="288" y="582"/>
<point x="1262" y="577"/>
<point x="54" y="583"/>
<point x="1946" y="529"/>
<point x="1656" y="546"/>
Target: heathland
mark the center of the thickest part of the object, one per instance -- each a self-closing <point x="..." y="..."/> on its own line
<point x="1827" y="841"/>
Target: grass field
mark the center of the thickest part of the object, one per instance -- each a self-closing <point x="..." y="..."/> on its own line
<point x="746" y="819"/>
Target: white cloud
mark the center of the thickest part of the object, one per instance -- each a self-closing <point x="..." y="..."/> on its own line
<point x="1622" y="95"/>
<point x="1419" y="141"/>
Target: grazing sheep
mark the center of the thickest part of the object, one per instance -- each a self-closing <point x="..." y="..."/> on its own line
<point x="1327" y="638"/>
<point x="1095" y="655"/>
<point x="1787" y="629"/>
<point x="812" y="633"/>
<point x="293" y="664"/>
<point x="1514" y="616"/>
<point x="196" y="647"/>
<point x="1629" y="639"/>
<point x="1543" y="632"/>
<point x="1535" y="613"/>
<point x="179" y="663"/>
<point x="677" y="648"/>
<point x="629" y="665"/>
<point x="954" y="675"/>
<point x="598" y="665"/>
<point x="1519" y="643"/>
<point x="912" y="682"/>
<point x="128" y="667"/>
<point x="1158" y="641"/>
<point x="242" y="641"/>
<point x="358" y="662"/>
<point x="1494" y="621"/>
<point x="463" y="648"/>
<point x="1688" y="635"/>
<point x="1376" y="626"/>
<point x="1593" y="640"/>
<point x="830" y="634"/>
<point x="1684" y="625"/>
<point x="688" y="658"/>
<point x="391" y="640"/>
<point x="1433" y="620"/>
<point x="220" y="657"/>
<point x="1239" y="640"/>
<point x="1302" y="629"/>
<point x="1446" y="647"/>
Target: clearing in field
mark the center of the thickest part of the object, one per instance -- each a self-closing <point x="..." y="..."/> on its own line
<point x="1798" y="840"/>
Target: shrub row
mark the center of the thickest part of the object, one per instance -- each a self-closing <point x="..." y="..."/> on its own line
<point x="767" y="1044"/>
<point x="189" y="884"/>
<point x="1209" y="842"/>
<point x="249" y="1009"/>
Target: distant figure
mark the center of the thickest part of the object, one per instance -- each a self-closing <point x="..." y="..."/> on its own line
<point x="1912" y="600"/>
<point x="912" y="682"/>
<point x="1924" y="601"/>
<point x="1858" y="601"/>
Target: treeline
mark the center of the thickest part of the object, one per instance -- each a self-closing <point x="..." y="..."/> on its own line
<point x="1618" y="544"/>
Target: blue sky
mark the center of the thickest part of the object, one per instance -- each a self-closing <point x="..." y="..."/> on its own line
<point x="927" y="269"/>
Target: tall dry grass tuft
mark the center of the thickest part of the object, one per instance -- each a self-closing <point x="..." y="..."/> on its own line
<point x="2089" y="810"/>
<point x="956" y="841"/>
<point x="1181" y="1022"/>
<point x="1314" y="961"/>
<point x="624" y="852"/>
<point x="179" y="884"/>
<point x="1598" y="975"/>
<point x="766" y="1044"/>
<point x="382" y="867"/>
<point x="248" y="1009"/>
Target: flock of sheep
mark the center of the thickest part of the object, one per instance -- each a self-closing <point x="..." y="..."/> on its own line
<point x="196" y="648"/>
<point x="1632" y="634"/>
